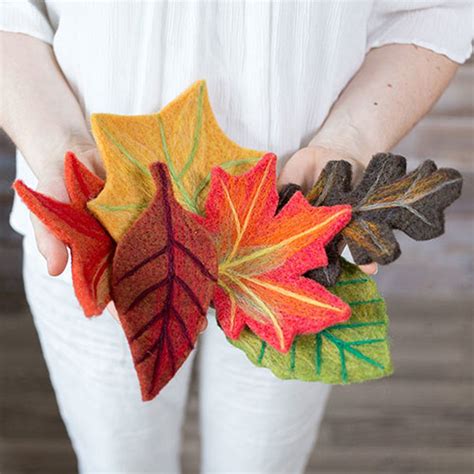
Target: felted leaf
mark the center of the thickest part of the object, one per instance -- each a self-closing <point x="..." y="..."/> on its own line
<point x="354" y="351"/>
<point x="164" y="274"/>
<point x="328" y="274"/>
<point x="262" y="257"/>
<point x="184" y="135"/>
<point x="388" y="199"/>
<point x="91" y="246"/>
<point x="285" y="194"/>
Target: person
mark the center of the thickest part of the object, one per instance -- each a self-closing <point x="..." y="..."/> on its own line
<point x="310" y="81"/>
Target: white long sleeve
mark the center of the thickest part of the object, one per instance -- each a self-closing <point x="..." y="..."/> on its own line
<point x="445" y="27"/>
<point x="26" y="16"/>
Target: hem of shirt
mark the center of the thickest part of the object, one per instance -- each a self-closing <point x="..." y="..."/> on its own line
<point x="457" y="57"/>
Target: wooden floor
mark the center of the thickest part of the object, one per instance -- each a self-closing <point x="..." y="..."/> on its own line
<point x="420" y="420"/>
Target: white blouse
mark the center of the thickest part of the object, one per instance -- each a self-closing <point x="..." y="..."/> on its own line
<point x="273" y="68"/>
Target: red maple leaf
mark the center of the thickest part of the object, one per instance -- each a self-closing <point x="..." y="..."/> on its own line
<point x="91" y="246"/>
<point x="262" y="257"/>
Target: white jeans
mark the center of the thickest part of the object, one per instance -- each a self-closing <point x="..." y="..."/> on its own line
<point x="251" y="422"/>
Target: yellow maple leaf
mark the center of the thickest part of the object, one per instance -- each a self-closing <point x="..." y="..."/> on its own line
<point x="185" y="135"/>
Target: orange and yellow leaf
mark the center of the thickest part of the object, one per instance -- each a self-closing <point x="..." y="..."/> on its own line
<point x="262" y="257"/>
<point x="184" y="135"/>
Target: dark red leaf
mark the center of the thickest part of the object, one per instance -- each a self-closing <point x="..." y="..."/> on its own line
<point x="163" y="279"/>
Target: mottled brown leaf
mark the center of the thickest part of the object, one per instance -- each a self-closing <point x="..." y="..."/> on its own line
<point x="387" y="199"/>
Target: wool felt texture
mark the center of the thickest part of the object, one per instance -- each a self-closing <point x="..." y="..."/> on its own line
<point x="262" y="257"/>
<point x="327" y="275"/>
<point x="164" y="274"/>
<point x="285" y="194"/>
<point x="184" y="135"/>
<point x="387" y="198"/>
<point x="354" y="351"/>
<point x="91" y="246"/>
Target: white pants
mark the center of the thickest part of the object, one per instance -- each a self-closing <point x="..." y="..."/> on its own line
<point x="251" y="422"/>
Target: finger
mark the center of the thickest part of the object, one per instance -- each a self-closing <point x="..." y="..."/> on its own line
<point x="299" y="169"/>
<point x="113" y="311"/>
<point x="370" y="269"/>
<point x="92" y="160"/>
<point x="52" y="249"/>
<point x="289" y="175"/>
<point x="295" y="176"/>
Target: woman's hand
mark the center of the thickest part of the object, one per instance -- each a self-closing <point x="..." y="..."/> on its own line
<point x="42" y="116"/>
<point x="51" y="182"/>
<point x="395" y="86"/>
<point x="305" y="166"/>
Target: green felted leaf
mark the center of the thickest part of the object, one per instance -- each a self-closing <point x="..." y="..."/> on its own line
<point x="354" y="351"/>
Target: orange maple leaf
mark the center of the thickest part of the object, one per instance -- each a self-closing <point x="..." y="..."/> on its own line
<point x="262" y="257"/>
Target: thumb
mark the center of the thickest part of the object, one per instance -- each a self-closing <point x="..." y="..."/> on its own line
<point x="51" y="248"/>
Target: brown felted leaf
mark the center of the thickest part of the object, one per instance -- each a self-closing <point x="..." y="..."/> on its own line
<point x="328" y="275"/>
<point x="387" y="199"/>
<point x="163" y="278"/>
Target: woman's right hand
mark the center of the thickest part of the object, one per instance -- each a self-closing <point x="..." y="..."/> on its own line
<point x="43" y="117"/>
<point x="51" y="182"/>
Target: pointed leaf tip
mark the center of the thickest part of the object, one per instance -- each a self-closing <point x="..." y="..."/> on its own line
<point x="82" y="184"/>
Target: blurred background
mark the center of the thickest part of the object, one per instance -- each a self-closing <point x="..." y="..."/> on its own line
<point x="417" y="421"/>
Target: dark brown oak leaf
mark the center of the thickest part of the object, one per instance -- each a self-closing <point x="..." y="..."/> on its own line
<point x="385" y="199"/>
<point x="285" y="194"/>
<point x="329" y="274"/>
<point x="163" y="279"/>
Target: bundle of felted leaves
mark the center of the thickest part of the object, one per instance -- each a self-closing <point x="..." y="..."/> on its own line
<point x="187" y="218"/>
